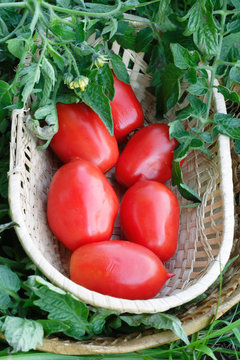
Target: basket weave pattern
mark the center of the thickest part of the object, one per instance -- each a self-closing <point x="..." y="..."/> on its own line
<point x="205" y="235"/>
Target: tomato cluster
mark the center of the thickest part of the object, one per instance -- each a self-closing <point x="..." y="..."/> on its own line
<point x="82" y="205"/>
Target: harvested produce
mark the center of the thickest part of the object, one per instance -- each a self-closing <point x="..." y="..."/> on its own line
<point x="82" y="134"/>
<point x="82" y="205"/>
<point x="149" y="215"/>
<point x="118" y="268"/>
<point x="126" y="110"/>
<point x="148" y="155"/>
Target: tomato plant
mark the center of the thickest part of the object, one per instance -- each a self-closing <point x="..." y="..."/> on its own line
<point x="82" y="205"/>
<point x="149" y="215"/>
<point x="126" y="110"/>
<point x="83" y="135"/>
<point x="118" y="268"/>
<point x="148" y="155"/>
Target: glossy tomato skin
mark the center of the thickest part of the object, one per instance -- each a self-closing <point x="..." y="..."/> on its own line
<point x="82" y="206"/>
<point x="148" y="155"/>
<point x="149" y="215"/>
<point x="83" y="135"/>
<point x="126" y="110"/>
<point x="118" y="268"/>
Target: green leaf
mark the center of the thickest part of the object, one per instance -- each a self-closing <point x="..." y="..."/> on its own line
<point x="16" y="47"/>
<point x="7" y="226"/>
<point x="98" y="320"/>
<point x="234" y="73"/>
<point x="194" y="18"/>
<point x="189" y="193"/>
<point x="64" y="3"/>
<point x="58" y="59"/>
<point x="49" y="80"/>
<point x="64" y="308"/>
<point x="233" y="26"/>
<point x="180" y="152"/>
<point x="29" y="77"/>
<point x="80" y="33"/>
<point x="126" y="36"/>
<point x="119" y="68"/>
<point x="228" y="94"/>
<point x="170" y="89"/>
<point x="9" y="281"/>
<point x="64" y="32"/>
<point x="158" y="321"/>
<point x="177" y="177"/>
<point x="191" y="76"/>
<point x="229" y="42"/>
<point x="237" y="146"/>
<point x="199" y="88"/>
<point x="206" y="36"/>
<point x="94" y="97"/>
<point x="111" y="27"/>
<point x="53" y="326"/>
<point x="185" y="113"/>
<point x="3" y="28"/>
<point x="182" y="57"/>
<point x="5" y="302"/>
<point x="144" y="38"/>
<point x="22" y="334"/>
<point x="226" y="124"/>
<point x="177" y="131"/>
<point x="106" y="80"/>
<point x="207" y="137"/>
<point x="206" y="350"/>
<point x="236" y="3"/>
<point x="5" y="98"/>
<point x="198" y="106"/>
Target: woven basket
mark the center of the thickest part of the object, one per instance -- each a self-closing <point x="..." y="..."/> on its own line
<point x="205" y="235"/>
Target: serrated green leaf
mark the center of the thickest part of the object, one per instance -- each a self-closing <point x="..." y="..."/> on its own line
<point x="194" y="18"/>
<point x="183" y="59"/>
<point x="64" y="32"/>
<point x="111" y="27"/>
<point x="22" y="334"/>
<point x="98" y="320"/>
<point x="29" y="77"/>
<point x="119" y="68"/>
<point x="177" y="131"/>
<point x="199" y="88"/>
<point x="180" y="152"/>
<point x="228" y="94"/>
<point x="49" y="80"/>
<point x="144" y="38"/>
<point x="206" y="36"/>
<point x="207" y="137"/>
<point x="185" y="113"/>
<point x="191" y="76"/>
<point x="226" y="124"/>
<point x="58" y="59"/>
<point x="233" y="26"/>
<point x="236" y="3"/>
<point x="53" y="326"/>
<point x="106" y="80"/>
<point x="5" y="302"/>
<point x="189" y="193"/>
<point x="64" y="308"/>
<point x="95" y="98"/>
<point x="234" y="73"/>
<point x="158" y="321"/>
<point x="237" y="146"/>
<point x="9" y="281"/>
<point x="126" y="36"/>
<point x="63" y="3"/>
<point x="198" y="106"/>
<point x="16" y="47"/>
<point x="230" y="42"/>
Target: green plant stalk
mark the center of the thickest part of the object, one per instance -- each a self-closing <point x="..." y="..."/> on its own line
<point x="73" y="60"/>
<point x="217" y="58"/>
<point x="20" y="4"/>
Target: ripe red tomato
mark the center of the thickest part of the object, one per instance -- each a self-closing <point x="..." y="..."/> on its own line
<point x="82" y="205"/>
<point x="126" y="110"/>
<point x="118" y="268"/>
<point x="83" y="135"/>
<point x="148" y="155"/>
<point x="149" y="215"/>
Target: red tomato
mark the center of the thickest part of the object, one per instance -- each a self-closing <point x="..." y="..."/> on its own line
<point x="126" y="110"/>
<point x="83" y="135"/>
<point x="118" y="268"/>
<point x="149" y="215"/>
<point x="148" y="155"/>
<point x="82" y="205"/>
